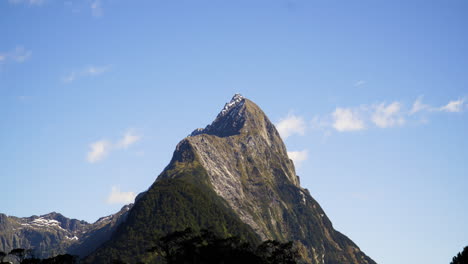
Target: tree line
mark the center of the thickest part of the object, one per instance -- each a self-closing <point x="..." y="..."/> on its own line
<point x="204" y="247"/>
<point x="188" y="246"/>
<point x="26" y="256"/>
<point x="461" y="257"/>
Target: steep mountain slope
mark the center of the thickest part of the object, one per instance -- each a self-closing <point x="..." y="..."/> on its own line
<point x="235" y="177"/>
<point x="52" y="234"/>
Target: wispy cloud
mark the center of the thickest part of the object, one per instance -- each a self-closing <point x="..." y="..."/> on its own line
<point x="380" y="115"/>
<point x="291" y="125"/>
<point x="18" y="55"/>
<point x="128" y="139"/>
<point x="388" y="115"/>
<point x="453" y="106"/>
<point x="359" y="83"/>
<point x="419" y="106"/>
<point x="101" y="149"/>
<point x="298" y="156"/>
<point x="117" y="196"/>
<point x="96" y="8"/>
<point x="347" y="119"/>
<point x="29" y="2"/>
<point x="88" y="71"/>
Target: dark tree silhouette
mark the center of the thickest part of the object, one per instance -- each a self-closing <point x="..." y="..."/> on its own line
<point x="461" y="258"/>
<point x="2" y="256"/>
<point x="60" y="259"/>
<point x="31" y="261"/>
<point x="272" y="251"/>
<point x="182" y="247"/>
<point x="117" y="261"/>
<point x="19" y="253"/>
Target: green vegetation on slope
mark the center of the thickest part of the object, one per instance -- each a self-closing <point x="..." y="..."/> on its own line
<point x="171" y="205"/>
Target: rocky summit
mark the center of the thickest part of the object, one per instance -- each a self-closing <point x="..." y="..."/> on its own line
<point x="233" y="177"/>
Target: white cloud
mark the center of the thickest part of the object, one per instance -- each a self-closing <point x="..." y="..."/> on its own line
<point x="18" y="55"/>
<point x="21" y="54"/>
<point x="102" y="148"/>
<point x="69" y="78"/>
<point x="36" y="2"/>
<point x="347" y="119"/>
<point x="380" y="115"/>
<point x="99" y="150"/>
<point x="419" y="106"/>
<point x="359" y="83"/>
<point x="453" y="106"/>
<point x="128" y="139"/>
<point x="298" y="156"/>
<point x="291" y="125"/>
<point x="96" y="8"/>
<point x="118" y="197"/>
<point x="388" y="116"/>
<point x="95" y="70"/>
<point x="85" y="72"/>
<point x="30" y="2"/>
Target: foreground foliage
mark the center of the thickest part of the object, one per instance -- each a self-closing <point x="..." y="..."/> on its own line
<point x="26" y="256"/>
<point x="461" y="257"/>
<point x="205" y="247"/>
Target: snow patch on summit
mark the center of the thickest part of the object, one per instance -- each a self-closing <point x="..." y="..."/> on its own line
<point x="237" y="98"/>
<point x="236" y="101"/>
<point x="42" y="222"/>
<point x="45" y="222"/>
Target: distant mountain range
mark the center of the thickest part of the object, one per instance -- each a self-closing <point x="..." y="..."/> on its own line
<point x="53" y="234"/>
<point x="233" y="177"/>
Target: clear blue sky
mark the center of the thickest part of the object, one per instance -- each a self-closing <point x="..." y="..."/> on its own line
<point x="372" y="96"/>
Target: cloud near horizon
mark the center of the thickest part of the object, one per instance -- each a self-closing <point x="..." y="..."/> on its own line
<point x="101" y="149"/>
<point x="117" y="196"/>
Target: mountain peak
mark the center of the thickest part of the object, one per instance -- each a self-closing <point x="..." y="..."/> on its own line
<point x="229" y="121"/>
<point x="236" y="99"/>
<point x="234" y="176"/>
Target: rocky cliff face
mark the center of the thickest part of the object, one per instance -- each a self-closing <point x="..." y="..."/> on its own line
<point x="52" y="234"/>
<point x="233" y="173"/>
<point x="248" y="167"/>
<point x="233" y="177"/>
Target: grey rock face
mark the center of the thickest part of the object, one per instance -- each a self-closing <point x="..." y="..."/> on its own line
<point x="52" y="234"/>
<point x="248" y="167"/>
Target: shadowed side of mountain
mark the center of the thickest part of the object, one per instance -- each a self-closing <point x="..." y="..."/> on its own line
<point x="182" y="198"/>
<point x="235" y="177"/>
